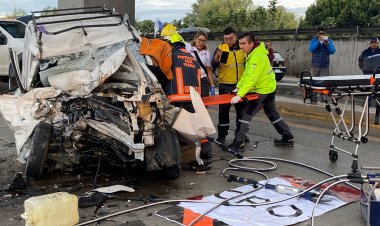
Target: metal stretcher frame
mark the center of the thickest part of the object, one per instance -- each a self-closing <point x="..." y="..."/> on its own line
<point x="334" y="88"/>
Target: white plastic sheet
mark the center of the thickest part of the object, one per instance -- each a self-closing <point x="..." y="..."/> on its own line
<point x="194" y="126"/>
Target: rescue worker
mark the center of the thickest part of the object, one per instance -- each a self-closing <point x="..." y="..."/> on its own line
<point x="186" y="73"/>
<point x="230" y="69"/>
<point x="258" y="77"/>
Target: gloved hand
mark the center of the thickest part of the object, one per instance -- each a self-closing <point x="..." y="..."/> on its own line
<point x="212" y="90"/>
<point x="235" y="90"/>
<point x="235" y="99"/>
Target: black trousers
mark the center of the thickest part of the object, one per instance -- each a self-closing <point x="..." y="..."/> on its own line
<point x="205" y="87"/>
<point x="250" y="109"/>
<point x="224" y="111"/>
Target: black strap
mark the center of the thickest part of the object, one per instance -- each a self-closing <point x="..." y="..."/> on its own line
<point x="199" y="61"/>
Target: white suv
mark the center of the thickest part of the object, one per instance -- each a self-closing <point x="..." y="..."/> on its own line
<point x="12" y="33"/>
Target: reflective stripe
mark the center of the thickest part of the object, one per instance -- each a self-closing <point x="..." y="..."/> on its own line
<point x="224" y="124"/>
<point x="179" y="80"/>
<point x="177" y="97"/>
<point x="199" y="72"/>
<point x="274" y="122"/>
<point x="376" y="55"/>
<point x="242" y="121"/>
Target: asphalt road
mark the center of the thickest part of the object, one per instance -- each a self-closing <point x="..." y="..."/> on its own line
<point x="312" y="138"/>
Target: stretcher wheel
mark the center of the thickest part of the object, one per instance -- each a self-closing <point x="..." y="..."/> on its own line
<point x="333" y="155"/>
<point x="364" y="140"/>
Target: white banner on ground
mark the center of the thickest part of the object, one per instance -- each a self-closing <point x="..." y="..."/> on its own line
<point x="283" y="213"/>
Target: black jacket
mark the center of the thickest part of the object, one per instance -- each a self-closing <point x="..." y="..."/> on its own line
<point x="186" y="73"/>
<point x="369" y="60"/>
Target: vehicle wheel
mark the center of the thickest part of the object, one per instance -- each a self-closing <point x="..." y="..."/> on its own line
<point x="333" y="155"/>
<point x="172" y="172"/>
<point x="167" y="150"/>
<point x="39" y="149"/>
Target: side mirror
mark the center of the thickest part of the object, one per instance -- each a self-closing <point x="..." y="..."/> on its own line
<point x="3" y="39"/>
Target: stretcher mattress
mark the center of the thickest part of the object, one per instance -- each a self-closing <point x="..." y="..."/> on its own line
<point x="225" y="98"/>
<point x="341" y="81"/>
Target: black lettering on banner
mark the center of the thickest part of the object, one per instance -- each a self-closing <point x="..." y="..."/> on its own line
<point x="297" y="213"/>
<point x="221" y="197"/>
<point x="251" y="198"/>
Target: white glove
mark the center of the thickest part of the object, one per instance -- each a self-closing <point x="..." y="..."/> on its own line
<point x="235" y="99"/>
<point x="198" y="153"/>
<point x="235" y="90"/>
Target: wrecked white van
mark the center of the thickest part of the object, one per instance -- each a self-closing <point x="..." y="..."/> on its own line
<point x="86" y="95"/>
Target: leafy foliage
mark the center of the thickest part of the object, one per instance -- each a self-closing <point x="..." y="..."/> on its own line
<point x="342" y="13"/>
<point x="240" y="14"/>
<point x="49" y="8"/>
<point x="145" y="26"/>
<point x="16" y="13"/>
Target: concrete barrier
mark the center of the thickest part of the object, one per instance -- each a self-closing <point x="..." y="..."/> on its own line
<point x="297" y="56"/>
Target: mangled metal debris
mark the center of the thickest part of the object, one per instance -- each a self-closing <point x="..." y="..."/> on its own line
<point x="89" y="95"/>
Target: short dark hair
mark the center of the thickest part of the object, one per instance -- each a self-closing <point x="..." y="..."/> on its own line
<point x="248" y="35"/>
<point x="321" y="29"/>
<point x="228" y="31"/>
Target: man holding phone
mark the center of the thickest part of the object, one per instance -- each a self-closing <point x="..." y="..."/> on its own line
<point x="229" y="61"/>
<point x="321" y="47"/>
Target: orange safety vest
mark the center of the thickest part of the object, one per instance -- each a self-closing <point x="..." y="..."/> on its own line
<point x="186" y="73"/>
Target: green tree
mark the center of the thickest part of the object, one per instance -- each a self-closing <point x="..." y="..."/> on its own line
<point x="217" y="14"/>
<point x="145" y="26"/>
<point x="342" y="13"/>
<point x="48" y="9"/>
<point x="240" y="14"/>
<point x="16" y="13"/>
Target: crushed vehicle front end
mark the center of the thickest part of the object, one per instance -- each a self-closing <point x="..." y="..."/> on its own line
<point x="89" y="97"/>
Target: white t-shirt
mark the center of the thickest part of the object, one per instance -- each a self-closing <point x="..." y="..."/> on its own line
<point x="204" y="55"/>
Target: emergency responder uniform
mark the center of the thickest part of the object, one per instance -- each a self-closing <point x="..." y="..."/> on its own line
<point x="229" y="74"/>
<point x="186" y="73"/>
<point x="259" y="78"/>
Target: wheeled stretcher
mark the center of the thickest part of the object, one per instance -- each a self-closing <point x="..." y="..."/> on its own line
<point x="347" y="88"/>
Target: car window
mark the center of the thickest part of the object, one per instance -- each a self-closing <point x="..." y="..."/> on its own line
<point x="14" y="28"/>
<point x="278" y="57"/>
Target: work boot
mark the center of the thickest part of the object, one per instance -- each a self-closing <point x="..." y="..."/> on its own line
<point x="237" y="146"/>
<point x="206" y="150"/>
<point x="221" y="139"/>
<point x="205" y="168"/>
<point x="284" y="142"/>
